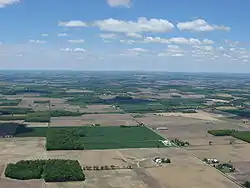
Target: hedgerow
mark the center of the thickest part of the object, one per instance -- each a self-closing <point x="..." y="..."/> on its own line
<point x="226" y="132"/>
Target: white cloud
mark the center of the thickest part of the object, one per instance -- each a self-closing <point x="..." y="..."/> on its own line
<point x="44" y="35"/>
<point x="200" y="25"/>
<point x="117" y="3"/>
<point x="127" y="41"/>
<point x="177" y="55"/>
<point x="194" y="41"/>
<point x="173" y="46"/>
<point x="66" y="49"/>
<point x="77" y="41"/>
<point x="177" y="40"/>
<point x="182" y="40"/>
<point x="62" y="35"/>
<point x="108" y="36"/>
<point x="38" y="41"/>
<point x="72" y="50"/>
<point x="207" y="41"/>
<point x="4" y="3"/>
<point x="163" y="54"/>
<point x="134" y="35"/>
<point x="141" y="25"/>
<point x="204" y="48"/>
<point x="156" y="40"/>
<point x="20" y="55"/>
<point x="79" y="50"/>
<point x="138" y="50"/>
<point x="174" y="49"/>
<point x="72" y="23"/>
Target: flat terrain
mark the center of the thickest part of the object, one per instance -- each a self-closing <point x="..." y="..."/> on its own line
<point x="89" y="119"/>
<point x="234" y="153"/>
<point x="130" y="98"/>
<point x="193" y="172"/>
<point x="98" y="109"/>
<point x="184" y="127"/>
<point x="199" y="115"/>
<point x="6" y="183"/>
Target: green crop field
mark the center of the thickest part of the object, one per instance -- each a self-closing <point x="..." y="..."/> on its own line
<point x="80" y="138"/>
<point x="241" y="135"/>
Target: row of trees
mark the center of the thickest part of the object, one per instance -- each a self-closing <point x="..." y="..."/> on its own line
<point x="180" y="142"/>
<point x="106" y="167"/>
<point x="53" y="170"/>
<point x="247" y="184"/>
<point x="222" y="132"/>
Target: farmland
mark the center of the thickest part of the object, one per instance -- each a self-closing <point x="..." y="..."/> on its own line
<point x="115" y="128"/>
<point x="84" y="138"/>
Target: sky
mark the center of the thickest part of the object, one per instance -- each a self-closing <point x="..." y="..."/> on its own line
<point x="140" y="35"/>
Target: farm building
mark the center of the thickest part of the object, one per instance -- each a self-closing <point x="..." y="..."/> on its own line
<point x="212" y="161"/>
<point x="7" y="130"/>
<point x="161" y="128"/>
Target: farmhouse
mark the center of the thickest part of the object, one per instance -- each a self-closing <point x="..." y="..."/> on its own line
<point x="161" y="128"/>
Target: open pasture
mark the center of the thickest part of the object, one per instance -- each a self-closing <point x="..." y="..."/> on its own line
<point x="7" y="183"/>
<point x="89" y="119"/>
<point x="186" y="128"/>
<point x="98" y="109"/>
<point x="234" y="152"/>
<point x="200" y="115"/>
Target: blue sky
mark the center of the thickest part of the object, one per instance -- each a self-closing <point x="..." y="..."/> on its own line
<point x="177" y="35"/>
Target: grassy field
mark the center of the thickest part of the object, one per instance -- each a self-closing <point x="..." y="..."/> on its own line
<point x="96" y="137"/>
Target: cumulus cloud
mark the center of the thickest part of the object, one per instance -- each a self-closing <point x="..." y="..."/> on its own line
<point x="4" y="3"/>
<point x="77" y="41"/>
<point x="138" y="49"/>
<point x="119" y="3"/>
<point x="177" y="40"/>
<point x="177" y="55"/>
<point x="44" y="35"/>
<point x="200" y="25"/>
<point x="72" y="50"/>
<point x="62" y="35"/>
<point x="156" y="40"/>
<point x="127" y="41"/>
<point x="108" y="36"/>
<point x="38" y="41"/>
<point x="141" y="25"/>
<point x="72" y="23"/>
<point x="207" y="41"/>
<point x="134" y="35"/>
<point x="204" y="48"/>
<point x="174" y="49"/>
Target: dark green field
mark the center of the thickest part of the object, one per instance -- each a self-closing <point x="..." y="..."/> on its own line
<point x="78" y="138"/>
